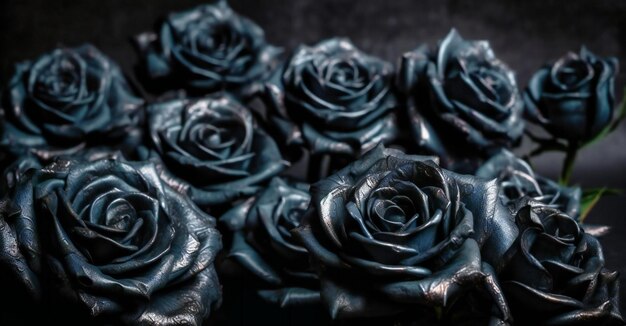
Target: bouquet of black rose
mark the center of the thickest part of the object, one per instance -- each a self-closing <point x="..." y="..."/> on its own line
<point x="408" y="206"/>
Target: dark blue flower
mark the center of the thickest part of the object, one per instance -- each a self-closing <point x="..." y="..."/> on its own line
<point x="112" y="240"/>
<point x="208" y="48"/>
<point x="392" y="233"/>
<point x="332" y="98"/>
<point x="65" y="101"/>
<point x="573" y="98"/>
<point x="517" y="180"/>
<point x="463" y="103"/>
<point x="263" y="245"/>
<point x="212" y="149"/>
<point x="554" y="273"/>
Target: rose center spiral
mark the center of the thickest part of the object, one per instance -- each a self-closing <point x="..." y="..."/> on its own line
<point x="571" y="72"/>
<point x="492" y="84"/>
<point x="561" y="227"/>
<point x="60" y="78"/>
<point x="215" y="40"/>
<point x="120" y="215"/>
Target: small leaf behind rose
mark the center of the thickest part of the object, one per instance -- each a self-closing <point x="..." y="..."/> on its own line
<point x="591" y="197"/>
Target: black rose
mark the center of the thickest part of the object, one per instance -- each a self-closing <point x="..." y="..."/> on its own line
<point x="517" y="180"/>
<point x="334" y="99"/>
<point x="66" y="100"/>
<point x="263" y="245"/>
<point x="462" y="101"/>
<point x="208" y="48"/>
<point x="573" y="98"/>
<point x="394" y="232"/>
<point x="212" y="149"/>
<point x="113" y="239"/>
<point x="555" y="274"/>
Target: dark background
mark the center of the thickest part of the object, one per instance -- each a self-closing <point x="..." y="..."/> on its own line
<point x="524" y="34"/>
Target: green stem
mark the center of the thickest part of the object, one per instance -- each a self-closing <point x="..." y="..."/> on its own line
<point x="568" y="163"/>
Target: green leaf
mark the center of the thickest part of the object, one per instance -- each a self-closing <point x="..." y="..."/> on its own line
<point x="607" y="191"/>
<point x="591" y="197"/>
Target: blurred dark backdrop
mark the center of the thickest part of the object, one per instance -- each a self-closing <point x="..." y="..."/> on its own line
<point x="525" y="34"/>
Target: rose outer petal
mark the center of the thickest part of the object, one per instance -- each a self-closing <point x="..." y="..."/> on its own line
<point x="463" y="269"/>
<point x="252" y="261"/>
<point x="189" y="303"/>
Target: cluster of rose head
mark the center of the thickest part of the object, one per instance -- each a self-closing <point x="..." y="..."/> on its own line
<point x="423" y="237"/>
<point x="111" y="203"/>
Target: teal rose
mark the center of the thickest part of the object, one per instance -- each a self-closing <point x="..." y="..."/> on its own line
<point x="208" y="48"/>
<point x="110" y="240"/>
<point x="65" y="101"/>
